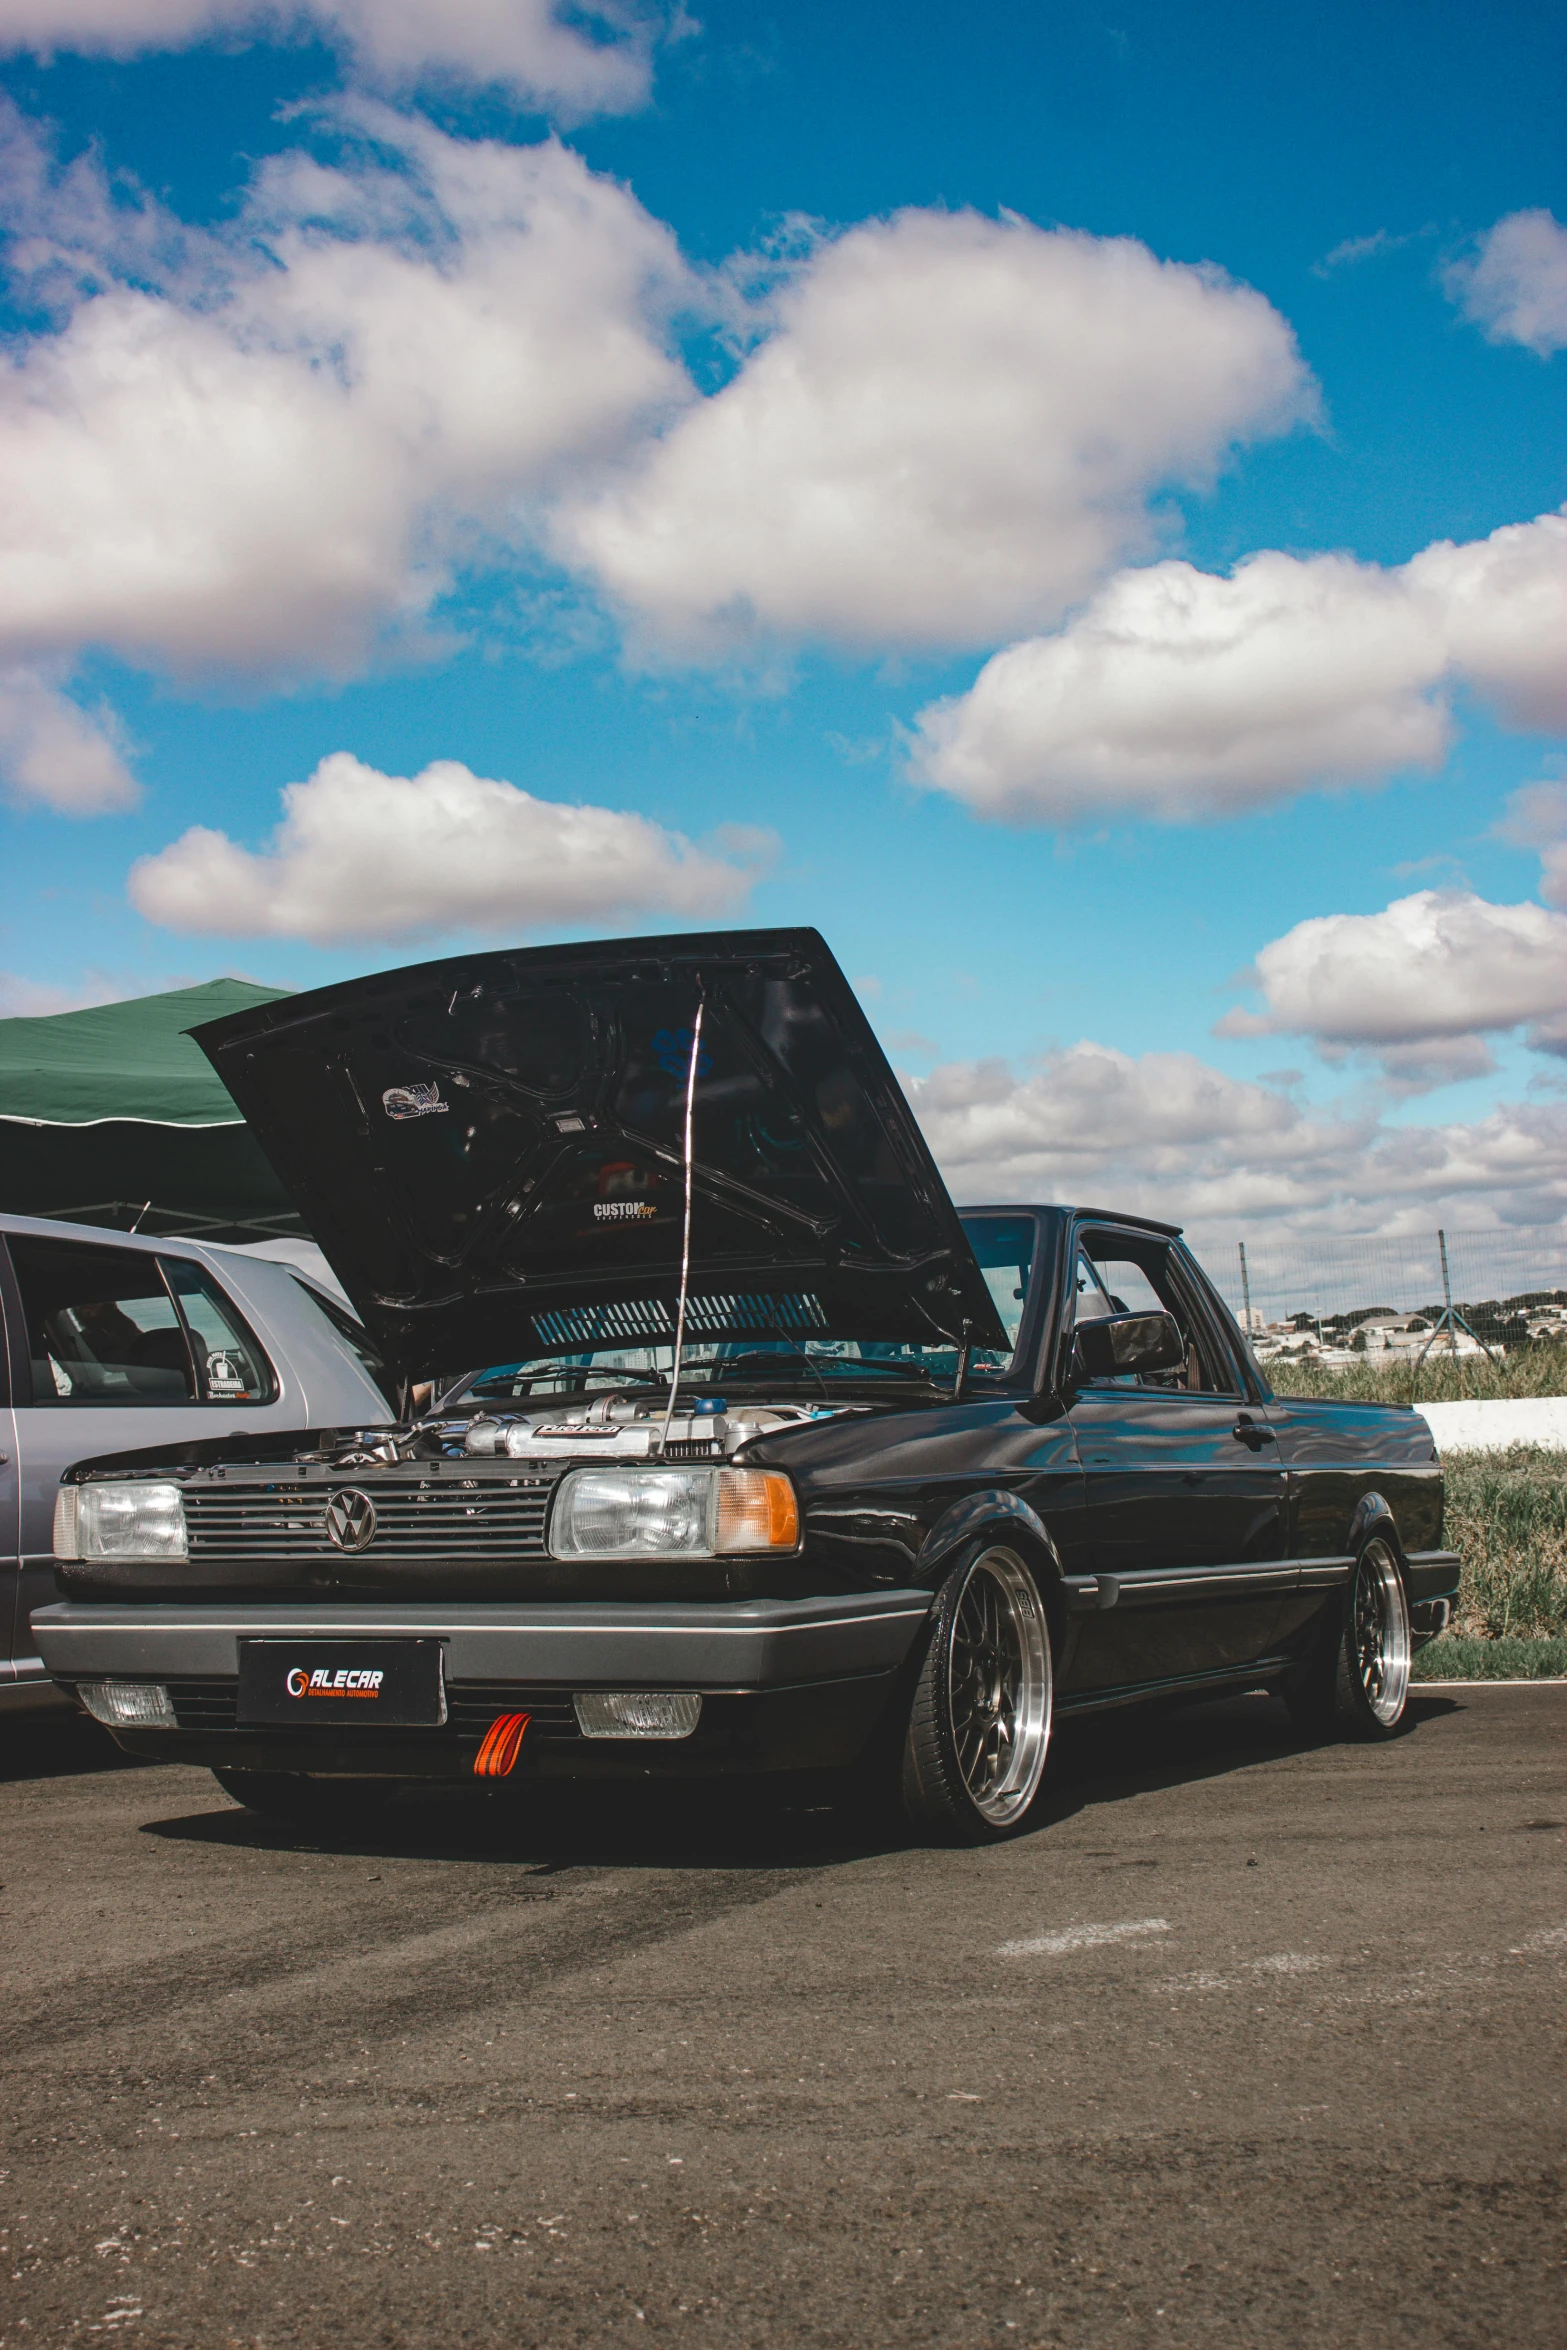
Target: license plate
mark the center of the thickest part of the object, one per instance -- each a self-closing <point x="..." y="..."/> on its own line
<point x="375" y="1684"/>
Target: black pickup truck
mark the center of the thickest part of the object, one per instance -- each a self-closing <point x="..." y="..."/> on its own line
<point x="773" y="1459"/>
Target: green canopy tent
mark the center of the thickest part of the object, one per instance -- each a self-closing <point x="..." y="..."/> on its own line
<point x="113" y="1116"/>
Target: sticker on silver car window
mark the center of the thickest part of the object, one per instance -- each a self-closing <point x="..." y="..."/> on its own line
<point x="413" y="1101"/>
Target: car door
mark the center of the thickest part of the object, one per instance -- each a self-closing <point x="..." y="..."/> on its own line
<point x="112" y="1347"/>
<point x="1185" y="1488"/>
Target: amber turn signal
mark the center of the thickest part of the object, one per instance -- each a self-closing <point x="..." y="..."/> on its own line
<point x="502" y="1745"/>
<point x="756" y="1511"/>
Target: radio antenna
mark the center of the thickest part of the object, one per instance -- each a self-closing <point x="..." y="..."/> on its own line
<point x="685" y="1242"/>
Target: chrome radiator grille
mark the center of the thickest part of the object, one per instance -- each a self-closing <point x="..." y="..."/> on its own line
<point x="422" y="1518"/>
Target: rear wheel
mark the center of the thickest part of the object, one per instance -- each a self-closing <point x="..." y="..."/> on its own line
<point x="303" y="1801"/>
<point x="979" y="1721"/>
<point x="1361" y="1687"/>
<point x="1372" y="1679"/>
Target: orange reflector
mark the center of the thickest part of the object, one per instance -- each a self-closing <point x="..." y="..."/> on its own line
<point x="502" y="1745"/>
<point x="756" y="1511"/>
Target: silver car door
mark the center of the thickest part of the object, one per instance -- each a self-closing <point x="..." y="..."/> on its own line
<point x="107" y="1365"/>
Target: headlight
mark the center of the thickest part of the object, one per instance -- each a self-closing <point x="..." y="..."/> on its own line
<point x="673" y="1513"/>
<point x="140" y="1521"/>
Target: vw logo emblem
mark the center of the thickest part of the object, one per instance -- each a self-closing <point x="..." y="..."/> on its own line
<point x="350" y="1520"/>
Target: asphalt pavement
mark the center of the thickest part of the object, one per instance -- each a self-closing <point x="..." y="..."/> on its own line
<point x="1248" y="2042"/>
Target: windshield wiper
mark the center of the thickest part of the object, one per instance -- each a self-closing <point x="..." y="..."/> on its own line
<point x="573" y="1377"/>
<point x="843" y="1365"/>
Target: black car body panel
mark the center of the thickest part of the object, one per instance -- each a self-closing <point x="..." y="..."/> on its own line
<point x="1188" y="1531"/>
<point x="489" y="1149"/>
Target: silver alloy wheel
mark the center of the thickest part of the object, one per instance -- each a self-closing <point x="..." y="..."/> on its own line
<point x="1379" y="1633"/>
<point x="999" y="1690"/>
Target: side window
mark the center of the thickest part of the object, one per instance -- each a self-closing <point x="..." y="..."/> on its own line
<point x="230" y="1366"/>
<point x="1118" y="1273"/>
<point x="1004" y="1249"/>
<point x="101" y="1326"/>
<point x="352" y="1332"/>
<point x="1114" y="1285"/>
<point x="122" y="1326"/>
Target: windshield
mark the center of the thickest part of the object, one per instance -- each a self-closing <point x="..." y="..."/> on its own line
<point x="1003" y="1245"/>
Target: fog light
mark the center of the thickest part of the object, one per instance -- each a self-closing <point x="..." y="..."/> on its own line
<point x="636" y="1713"/>
<point x="129" y="1705"/>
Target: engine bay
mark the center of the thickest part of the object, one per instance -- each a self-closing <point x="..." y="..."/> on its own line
<point x="621" y="1427"/>
<point x="616" y="1426"/>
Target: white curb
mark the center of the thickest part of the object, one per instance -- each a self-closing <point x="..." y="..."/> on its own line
<point x="1489" y="1427"/>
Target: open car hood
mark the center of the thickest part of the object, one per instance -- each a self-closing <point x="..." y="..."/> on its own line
<point x="489" y="1151"/>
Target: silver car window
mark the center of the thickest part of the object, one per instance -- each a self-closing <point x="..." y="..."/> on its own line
<point x="101" y="1326"/>
<point x="124" y="1327"/>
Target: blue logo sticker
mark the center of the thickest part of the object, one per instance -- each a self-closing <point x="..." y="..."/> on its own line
<point x="671" y="1049"/>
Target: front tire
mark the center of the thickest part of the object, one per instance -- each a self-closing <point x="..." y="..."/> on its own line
<point x="979" y="1720"/>
<point x="1360" y="1688"/>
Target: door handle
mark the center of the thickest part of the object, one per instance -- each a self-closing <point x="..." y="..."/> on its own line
<point x="1252" y="1433"/>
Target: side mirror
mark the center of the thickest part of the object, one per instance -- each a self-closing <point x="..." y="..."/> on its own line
<point x="1130" y="1343"/>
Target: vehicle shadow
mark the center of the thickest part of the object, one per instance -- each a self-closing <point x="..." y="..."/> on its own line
<point x="1111" y="1756"/>
<point x="550" y="1826"/>
<point x="53" y="1743"/>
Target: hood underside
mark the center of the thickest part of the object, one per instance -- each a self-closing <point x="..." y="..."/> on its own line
<point x="489" y="1150"/>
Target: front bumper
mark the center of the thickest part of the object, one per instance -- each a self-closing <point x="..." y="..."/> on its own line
<point x="786" y="1684"/>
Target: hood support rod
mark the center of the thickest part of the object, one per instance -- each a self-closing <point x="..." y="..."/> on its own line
<point x="685" y="1243"/>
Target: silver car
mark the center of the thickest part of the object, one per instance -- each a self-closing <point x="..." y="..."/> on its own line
<point x="114" y="1342"/>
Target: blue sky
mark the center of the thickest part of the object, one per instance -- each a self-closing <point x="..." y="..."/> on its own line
<point x="724" y="579"/>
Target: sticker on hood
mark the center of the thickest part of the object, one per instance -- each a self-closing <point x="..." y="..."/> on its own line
<point x="414" y="1101"/>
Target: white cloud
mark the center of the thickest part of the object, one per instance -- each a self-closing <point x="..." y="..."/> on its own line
<point x="424" y="359"/>
<point x="1090" y="1107"/>
<point x="1166" y="1135"/>
<point x="1420" y="984"/>
<point x="361" y="855"/>
<point x="952" y="429"/>
<point x="279" y="451"/>
<point x="1503" y="606"/>
<point x="1515" y="284"/>
<point x="1179" y="694"/>
<point x="1354" y="250"/>
<point x="1435" y="1061"/>
<point x="1536" y="818"/>
<point x="31" y="999"/>
<point x="1536" y="815"/>
<point x="53" y="752"/>
<point x="588" y="58"/>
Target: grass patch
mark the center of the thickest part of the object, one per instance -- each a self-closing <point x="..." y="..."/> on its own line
<point x="1507" y="1519"/>
<point x="1531" y="1370"/>
<point x="1456" y="1658"/>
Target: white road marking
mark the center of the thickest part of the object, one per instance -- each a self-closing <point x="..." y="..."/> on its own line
<point x="1442" y="1972"/>
<point x="1082" y="1938"/>
<point x="1283" y="1962"/>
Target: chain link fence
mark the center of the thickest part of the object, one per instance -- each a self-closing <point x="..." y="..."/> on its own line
<point x="1503" y="1287"/>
